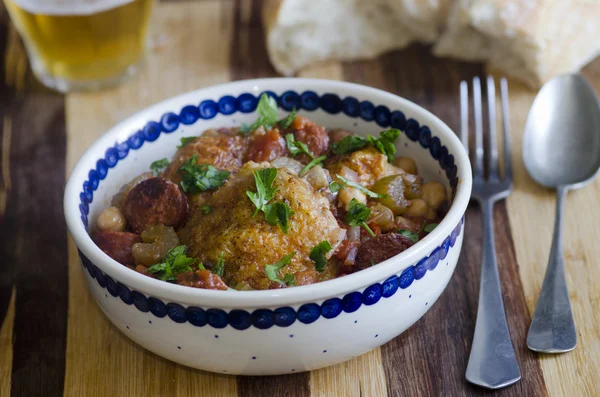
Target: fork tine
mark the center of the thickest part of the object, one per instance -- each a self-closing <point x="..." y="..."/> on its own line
<point x="464" y="115"/>
<point x="492" y="138"/>
<point x="506" y="129"/>
<point x="478" y="169"/>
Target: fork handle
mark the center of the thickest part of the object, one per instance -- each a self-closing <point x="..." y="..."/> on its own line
<point x="552" y="328"/>
<point x="492" y="362"/>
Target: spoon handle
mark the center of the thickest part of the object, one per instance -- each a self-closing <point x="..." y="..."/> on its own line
<point x="492" y="362"/>
<point x="552" y="328"/>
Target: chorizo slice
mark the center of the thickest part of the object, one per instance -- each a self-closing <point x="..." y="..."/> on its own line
<point x="311" y="133"/>
<point x="117" y="245"/>
<point x="201" y="279"/>
<point x="153" y="201"/>
<point x="380" y="248"/>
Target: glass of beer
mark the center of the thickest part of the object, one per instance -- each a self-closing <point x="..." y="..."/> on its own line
<point x="80" y="45"/>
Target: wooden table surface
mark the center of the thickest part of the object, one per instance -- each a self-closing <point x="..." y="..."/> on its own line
<point x="55" y="341"/>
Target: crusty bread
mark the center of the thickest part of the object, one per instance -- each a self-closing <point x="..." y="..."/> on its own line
<point x="530" y="40"/>
<point x="301" y="32"/>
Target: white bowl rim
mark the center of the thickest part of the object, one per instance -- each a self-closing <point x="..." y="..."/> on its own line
<point x="279" y="297"/>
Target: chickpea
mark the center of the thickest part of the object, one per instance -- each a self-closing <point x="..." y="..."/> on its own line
<point x="111" y="219"/>
<point x="434" y="194"/>
<point x="431" y="214"/>
<point x="383" y="217"/>
<point x="417" y="207"/>
<point x="407" y="164"/>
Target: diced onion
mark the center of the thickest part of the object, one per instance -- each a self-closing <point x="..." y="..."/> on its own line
<point x="382" y="216"/>
<point x="351" y="257"/>
<point x="317" y="177"/>
<point x="285" y="162"/>
<point x="349" y="174"/>
<point x="354" y="233"/>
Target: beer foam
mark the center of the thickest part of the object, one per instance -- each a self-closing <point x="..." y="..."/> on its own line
<point x="69" y="7"/>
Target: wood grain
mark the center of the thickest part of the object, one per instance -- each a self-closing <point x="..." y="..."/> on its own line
<point x="182" y="58"/>
<point x="531" y="210"/>
<point x="417" y="354"/>
<point x="200" y="43"/>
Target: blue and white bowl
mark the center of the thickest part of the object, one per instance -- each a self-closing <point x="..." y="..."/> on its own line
<point x="277" y="331"/>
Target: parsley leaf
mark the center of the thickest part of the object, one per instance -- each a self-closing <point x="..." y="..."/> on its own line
<point x="414" y="236"/>
<point x="206" y="209"/>
<point x="185" y="140"/>
<point x="200" y="177"/>
<point x="385" y="143"/>
<point x="267" y="110"/>
<point x="358" y="214"/>
<point x="350" y="144"/>
<point x="335" y="187"/>
<point x="290" y="279"/>
<point x="246" y="128"/>
<point x="219" y="268"/>
<point x="265" y="190"/>
<point x="288" y="120"/>
<point x="201" y="266"/>
<point x="158" y="166"/>
<point x="346" y="182"/>
<point x="313" y="163"/>
<point x="297" y="147"/>
<point x="429" y="228"/>
<point x="175" y="262"/>
<point x="317" y="255"/>
<point x="278" y="214"/>
<point x="271" y="270"/>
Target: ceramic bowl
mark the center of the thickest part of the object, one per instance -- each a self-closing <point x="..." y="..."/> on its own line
<point x="278" y="331"/>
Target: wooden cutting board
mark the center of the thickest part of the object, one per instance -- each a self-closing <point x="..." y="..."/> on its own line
<point x="55" y="341"/>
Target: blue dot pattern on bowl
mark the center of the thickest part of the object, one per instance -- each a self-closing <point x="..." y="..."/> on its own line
<point x="283" y="316"/>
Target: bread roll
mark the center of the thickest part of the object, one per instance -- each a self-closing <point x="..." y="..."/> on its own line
<point x="530" y="40"/>
<point x="302" y="32"/>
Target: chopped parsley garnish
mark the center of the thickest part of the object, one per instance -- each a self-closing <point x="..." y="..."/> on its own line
<point x="335" y="187"/>
<point x="219" y="268"/>
<point x="429" y="228"/>
<point x="358" y="214"/>
<point x="200" y="177"/>
<point x="206" y="209"/>
<point x="385" y="143"/>
<point x="276" y="214"/>
<point x="175" y="262"/>
<point x="297" y="147"/>
<point x="265" y="191"/>
<point x="345" y="182"/>
<point x="271" y="270"/>
<point x="185" y="140"/>
<point x="158" y="166"/>
<point x="317" y="255"/>
<point x="288" y="120"/>
<point x="267" y="110"/>
<point x="350" y="144"/>
<point x="290" y="279"/>
<point x="414" y="236"/>
<point x="309" y="166"/>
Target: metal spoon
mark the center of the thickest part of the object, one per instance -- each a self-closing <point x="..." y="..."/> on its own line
<point x="561" y="150"/>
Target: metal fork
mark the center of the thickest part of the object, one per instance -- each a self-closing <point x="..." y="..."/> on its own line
<point x="492" y="363"/>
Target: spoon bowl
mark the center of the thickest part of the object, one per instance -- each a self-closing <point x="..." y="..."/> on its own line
<point x="561" y="145"/>
<point x="561" y="150"/>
